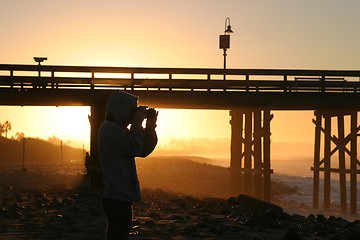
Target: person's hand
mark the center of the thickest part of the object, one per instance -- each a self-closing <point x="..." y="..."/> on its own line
<point x="152" y="117"/>
<point x="139" y="116"/>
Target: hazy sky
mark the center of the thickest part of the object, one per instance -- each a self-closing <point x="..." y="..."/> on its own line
<point x="306" y="34"/>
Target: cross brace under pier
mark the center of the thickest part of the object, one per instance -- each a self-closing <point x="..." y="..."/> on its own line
<point x="323" y="124"/>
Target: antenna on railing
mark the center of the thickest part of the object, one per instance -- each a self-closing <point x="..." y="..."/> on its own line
<point x="42" y="84"/>
<point x="39" y="60"/>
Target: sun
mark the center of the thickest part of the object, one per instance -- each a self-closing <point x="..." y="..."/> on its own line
<point x="73" y="124"/>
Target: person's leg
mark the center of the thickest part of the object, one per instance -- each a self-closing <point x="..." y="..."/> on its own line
<point x="119" y="215"/>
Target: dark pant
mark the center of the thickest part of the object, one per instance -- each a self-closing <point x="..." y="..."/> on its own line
<point x="119" y="216"/>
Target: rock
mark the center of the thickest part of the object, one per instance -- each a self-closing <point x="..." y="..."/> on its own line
<point x="238" y="228"/>
<point x="179" y="202"/>
<point x="239" y="221"/>
<point x="203" y="225"/>
<point x="212" y="220"/>
<point x="353" y="233"/>
<point x="194" y="212"/>
<point x="207" y="209"/>
<point x="283" y="224"/>
<point x="275" y="212"/>
<point x="318" y="226"/>
<point x="75" y="229"/>
<point x="216" y="201"/>
<point x="356" y="222"/>
<point x="232" y="216"/>
<point x="285" y="215"/>
<point x="254" y="203"/>
<point x="136" y="228"/>
<point x="154" y="215"/>
<point x="192" y="200"/>
<point x="189" y="230"/>
<point x="311" y="216"/>
<point x="218" y="229"/>
<point x="149" y="223"/>
<point x="320" y="217"/>
<point x="171" y="229"/>
<point x="17" y="214"/>
<point x="225" y="210"/>
<point x="177" y="217"/>
<point x="321" y="234"/>
<point x="3" y="212"/>
<point x="3" y="229"/>
<point x="340" y="223"/>
<point x="337" y="236"/>
<point x="291" y="235"/>
<point x="232" y="201"/>
<point x="331" y="219"/>
<point x="260" y="219"/>
<point x="135" y="222"/>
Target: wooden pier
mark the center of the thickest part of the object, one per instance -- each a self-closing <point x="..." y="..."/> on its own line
<point x="250" y="95"/>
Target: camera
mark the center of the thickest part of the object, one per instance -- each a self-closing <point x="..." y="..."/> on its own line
<point x="149" y="111"/>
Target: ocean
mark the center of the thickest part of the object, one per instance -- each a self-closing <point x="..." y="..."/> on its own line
<point x="296" y="172"/>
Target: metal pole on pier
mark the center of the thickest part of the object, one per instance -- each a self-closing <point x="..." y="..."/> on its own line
<point x="61" y="149"/>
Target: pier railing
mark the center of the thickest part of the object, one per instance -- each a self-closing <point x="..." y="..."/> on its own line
<point x="178" y="79"/>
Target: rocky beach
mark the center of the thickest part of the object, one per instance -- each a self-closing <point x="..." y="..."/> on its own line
<point x="182" y="199"/>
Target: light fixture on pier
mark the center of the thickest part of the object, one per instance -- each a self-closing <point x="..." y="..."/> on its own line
<point x="225" y="40"/>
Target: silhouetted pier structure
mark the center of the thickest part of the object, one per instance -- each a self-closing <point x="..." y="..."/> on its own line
<point x="250" y="94"/>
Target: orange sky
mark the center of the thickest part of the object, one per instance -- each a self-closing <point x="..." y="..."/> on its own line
<point x="71" y="124"/>
<point x="267" y="34"/>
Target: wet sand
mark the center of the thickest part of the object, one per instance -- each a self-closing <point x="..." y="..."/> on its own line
<point x="56" y="203"/>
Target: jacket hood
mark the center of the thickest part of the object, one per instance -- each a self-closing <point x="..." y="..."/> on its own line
<point x="119" y="106"/>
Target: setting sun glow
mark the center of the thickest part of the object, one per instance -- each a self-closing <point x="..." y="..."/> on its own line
<point x="176" y="34"/>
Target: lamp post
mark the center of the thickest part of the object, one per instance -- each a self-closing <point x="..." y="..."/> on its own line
<point x="225" y="41"/>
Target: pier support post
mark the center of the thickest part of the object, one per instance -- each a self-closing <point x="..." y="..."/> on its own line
<point x="258" y="178"/>
<point x="236" y="152"/>
<point x="340" y="143"/>
<point x="354" y="162"/>
<point x="96" y="119"/>
<point x="250" y="153"/>
<point x="341" y="146"/>
<point x="327" y="161"/>
<point x="266" y="147"/>
<point x="316" y="180"/>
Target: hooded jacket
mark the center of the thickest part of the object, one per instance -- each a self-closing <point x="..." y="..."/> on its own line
<point x="119" y="146"/>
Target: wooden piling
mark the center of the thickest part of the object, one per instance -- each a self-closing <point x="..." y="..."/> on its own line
<point x="241" y="148"/>
<point x="353" y="163"/>
<point x="318" y="118"/>
<point x="257" y="155"/>
<point x="236" y="151"/>
<point x="266" y="148"/>
<point x="341" y="145"/>
<point x="248" y="153"/>
<point x="327" y="158"/>
<point x="96" y="119"/>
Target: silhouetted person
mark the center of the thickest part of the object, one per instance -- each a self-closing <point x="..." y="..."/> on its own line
<point x="118" y="148"/>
